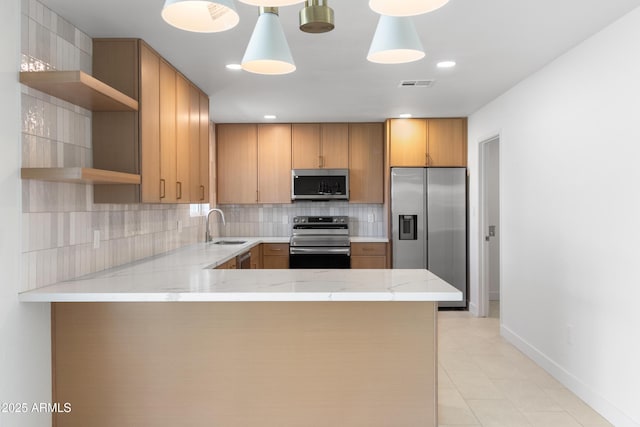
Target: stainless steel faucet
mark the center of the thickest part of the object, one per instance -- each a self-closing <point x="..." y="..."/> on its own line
<point x="207" y="235"/>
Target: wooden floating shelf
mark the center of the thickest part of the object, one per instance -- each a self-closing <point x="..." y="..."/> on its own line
<point x="79" y="88"/>
<point x="80" y="175"/>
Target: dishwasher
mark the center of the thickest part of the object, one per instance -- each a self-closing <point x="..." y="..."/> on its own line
<point x="243" y="261"/>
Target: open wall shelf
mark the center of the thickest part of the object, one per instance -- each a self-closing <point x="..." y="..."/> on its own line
<point x="80" y="175"/>
<point x="79" y="88"/>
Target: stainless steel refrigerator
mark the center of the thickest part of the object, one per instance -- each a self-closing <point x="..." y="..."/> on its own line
<point x="429" y="223"/>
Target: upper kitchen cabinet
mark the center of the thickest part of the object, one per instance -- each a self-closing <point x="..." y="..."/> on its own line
<point x="447" y="142"/>
<point x="274" y="158"/>
<point x="320" y="145"/>
<point x="157" y="141"/>
<point x="408" y="142"/>
<point x="427" y="142"/>
<point x="253" y="163"/>
<point x="237" y="159"/>
<point x="366" y="141"/>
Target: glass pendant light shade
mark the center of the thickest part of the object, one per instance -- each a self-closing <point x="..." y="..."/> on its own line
<point x="201" y="16"/>
<point x="405" y="7"/>
<point x="268" y="51"/>
<point x="395" y="41"/>
<point x="273" y="3"/>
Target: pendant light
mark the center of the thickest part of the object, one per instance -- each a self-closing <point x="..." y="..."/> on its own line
<point x="316" y="17"/>
<point x="405" y="7"/>
<point x="395" y="41"/>
<point x="201" y="16"/>
<point x="272" y="3"/>
<point x="268" y="51"/>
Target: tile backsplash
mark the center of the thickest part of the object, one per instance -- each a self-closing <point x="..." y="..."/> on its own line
<point x="64" y="234"/>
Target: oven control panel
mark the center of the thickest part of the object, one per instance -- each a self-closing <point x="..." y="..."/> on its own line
<point x="321" y="220"/>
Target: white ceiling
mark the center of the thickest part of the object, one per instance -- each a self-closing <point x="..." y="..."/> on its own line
<point x="496" y="43"/>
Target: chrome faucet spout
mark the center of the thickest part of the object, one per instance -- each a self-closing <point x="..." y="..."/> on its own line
<point x="207" y="235"/>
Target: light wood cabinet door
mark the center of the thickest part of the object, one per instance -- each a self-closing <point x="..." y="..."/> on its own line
<point x="183" y="139"/>
<point x="168" y="164"/>
<point x="368" y="255"/>
<point x="447" y="142"/>
<point x="149" y="114"/>
<point x="305" y="146"/>
<point x="366" y="182"/>
<point x="274" y="158"/>
<point x="198" y="146"/>
<point x="204" y="143"/>
<point x="408" y="142"/>
<point x="237" y="163"/>
<point x="256" y="257"/>
<point x="334" y="146"/>
<point x="275" y="255"/>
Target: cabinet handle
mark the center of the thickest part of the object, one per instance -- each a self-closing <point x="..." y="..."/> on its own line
<point x="162" y="189"/>
<point x="257" y="195"/>
<point x="202" y="190"/>
<point x="319" y="161"/>
<point x="179" y="190"/>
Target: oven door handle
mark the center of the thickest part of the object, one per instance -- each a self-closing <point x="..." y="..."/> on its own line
<point x="319" y="251"/>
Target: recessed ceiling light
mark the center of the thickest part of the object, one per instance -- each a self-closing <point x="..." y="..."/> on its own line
<point x="446" y="64"/>
<point x="270" y="116"/>
<point x="234" y="66"/>
<point x="405" y="116"/>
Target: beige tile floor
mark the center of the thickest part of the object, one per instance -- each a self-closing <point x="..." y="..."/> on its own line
<point x="485" y="381"/>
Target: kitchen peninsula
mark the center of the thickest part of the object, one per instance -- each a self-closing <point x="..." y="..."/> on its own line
<point x="171" y="341"/>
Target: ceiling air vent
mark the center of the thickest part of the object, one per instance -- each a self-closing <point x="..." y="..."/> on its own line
<point x="417" y="83"/>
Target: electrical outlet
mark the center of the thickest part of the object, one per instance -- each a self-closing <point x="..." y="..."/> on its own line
<point x="179" y="226"/>
<point x="96" y="239"/>
<point x="285" y="219"/>
<point x="371" y="217"/>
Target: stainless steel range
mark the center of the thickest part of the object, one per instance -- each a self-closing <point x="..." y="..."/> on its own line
<point x="320" y="242"/>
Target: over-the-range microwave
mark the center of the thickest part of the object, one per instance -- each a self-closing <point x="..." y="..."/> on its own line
<point x="320" y="184"/>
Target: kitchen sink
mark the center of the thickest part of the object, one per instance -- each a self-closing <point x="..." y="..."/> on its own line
<point x="230" y="242"/>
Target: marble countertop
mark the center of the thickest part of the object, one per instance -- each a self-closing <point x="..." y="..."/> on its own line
<point x="189" y="274"/>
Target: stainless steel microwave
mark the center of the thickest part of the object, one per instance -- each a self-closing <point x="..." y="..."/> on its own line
<point x="320" y="184"/>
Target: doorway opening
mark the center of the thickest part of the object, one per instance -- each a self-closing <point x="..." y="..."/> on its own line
<point x="490" y="289"/>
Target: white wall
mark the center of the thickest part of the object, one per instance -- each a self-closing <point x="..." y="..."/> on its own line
<point x="570" y="147"/>
<point x="24" y="328"/>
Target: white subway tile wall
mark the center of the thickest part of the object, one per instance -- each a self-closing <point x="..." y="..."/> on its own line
<point x="366" y="220"/>
<point x="60" y="220"/>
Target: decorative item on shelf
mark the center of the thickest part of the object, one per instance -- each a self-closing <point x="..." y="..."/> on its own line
<point x="395" y="41"/>
<point x="405" y="7"/>
<point x="268" y="51"/>
<point x="316" y="17"/>
<point x="201" y="16"/>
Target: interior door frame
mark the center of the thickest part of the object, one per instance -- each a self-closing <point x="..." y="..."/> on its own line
<point x="483" y="265"/>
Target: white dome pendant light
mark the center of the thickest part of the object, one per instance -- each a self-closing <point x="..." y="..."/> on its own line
<point x="395" y="41"/>
<point x="201" y="16"/>
<point x="272" y="3"/>
<point x="405" y="7"/>
<point x="268" y="51"/>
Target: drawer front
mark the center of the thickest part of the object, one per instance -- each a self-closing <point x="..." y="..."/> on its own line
<point x="368" y="249"/>
<point x="271" y="249"/>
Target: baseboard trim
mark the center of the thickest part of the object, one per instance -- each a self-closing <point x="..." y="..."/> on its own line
<point x="591" y="397"/>
<point x="473" y="309"/>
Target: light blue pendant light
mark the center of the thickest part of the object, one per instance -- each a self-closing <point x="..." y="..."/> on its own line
<point x="395" y="41"/>
<point x="268" y="51"/>
<point x="405" y="7"/>
<point x="201" y="16"/>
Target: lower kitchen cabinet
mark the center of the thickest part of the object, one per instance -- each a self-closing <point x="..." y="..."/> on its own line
<point x="256" y="257"/>
<point x="229" y="265"/>
<point x="368" y="255"/>
<point x="275" y="255"/>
